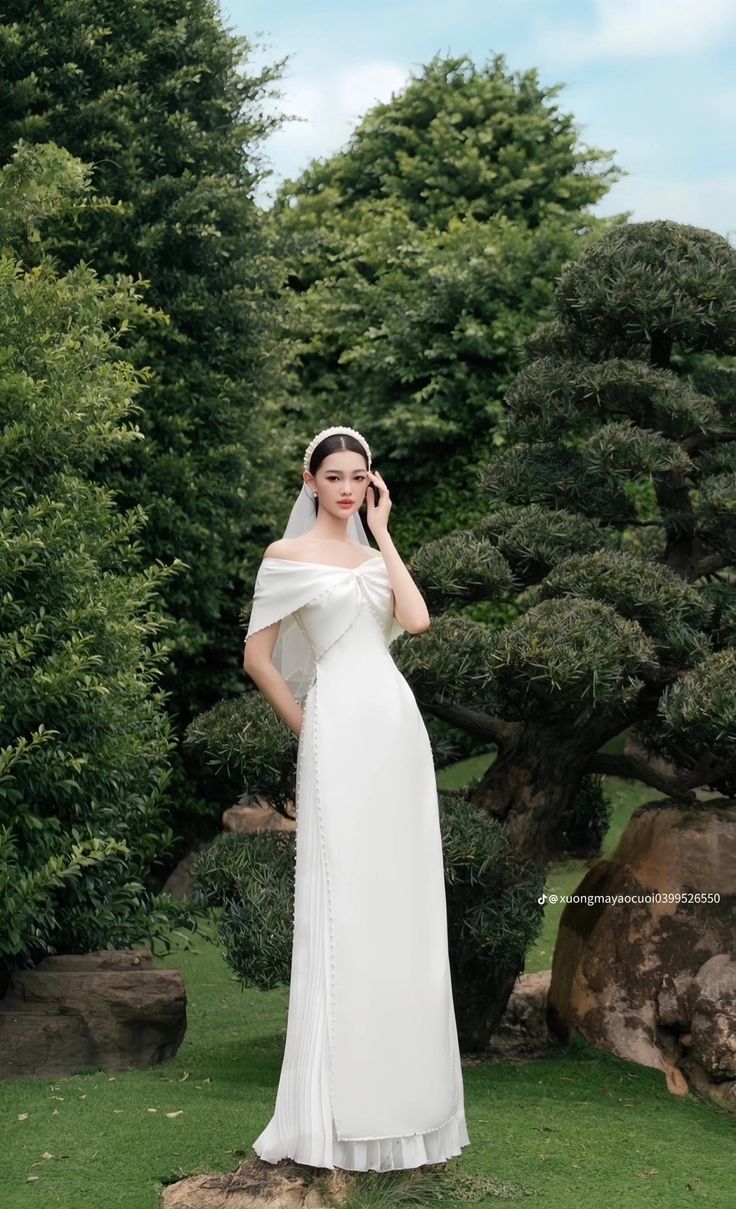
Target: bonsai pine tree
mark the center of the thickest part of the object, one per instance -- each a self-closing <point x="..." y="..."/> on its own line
<point x="610" y="536"/>
<point x="419" y="258"/>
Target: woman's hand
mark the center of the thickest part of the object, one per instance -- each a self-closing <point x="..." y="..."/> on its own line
<point x="377" y="514"/>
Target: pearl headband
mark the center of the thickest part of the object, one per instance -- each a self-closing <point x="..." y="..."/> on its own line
<point x="328" y="432"/>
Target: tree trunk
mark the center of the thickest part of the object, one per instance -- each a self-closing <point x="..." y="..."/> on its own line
<point x="531" y="785"/>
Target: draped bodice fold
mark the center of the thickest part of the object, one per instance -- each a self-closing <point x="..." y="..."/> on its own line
<point x="287" y="587"/>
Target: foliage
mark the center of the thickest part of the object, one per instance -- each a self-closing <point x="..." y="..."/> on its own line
<point x="493" y="912"/>
<point x="249" y="748"/>
<point x="464" y="140"/>
<point x="590" y="818"/>
<point x="661" y="281"/>
<point x="84" y="736"/>
<point x="610" y="533"/>
<point x="419" y="259"/>
<point x="164" y="103"/>
<point x="251" y="878"/>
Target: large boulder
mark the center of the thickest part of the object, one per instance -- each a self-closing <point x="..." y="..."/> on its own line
<point x="523" y="1031"/>
<point x="111" y="1010"/>
<point x="256" y="816"/>
<point x="645" y="960"/>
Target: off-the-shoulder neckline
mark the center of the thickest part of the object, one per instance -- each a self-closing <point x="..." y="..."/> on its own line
<point x="300" y="562"/>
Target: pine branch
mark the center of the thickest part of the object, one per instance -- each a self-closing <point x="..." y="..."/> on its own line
<point x="701" y="440"/>
<point x="485" y="726"/>
<point x="684" y="545"/>
<point x="712" y="563"/>
<point x="636" y="768"/>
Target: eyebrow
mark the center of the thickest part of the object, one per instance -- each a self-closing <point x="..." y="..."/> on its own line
<point x="359" y="470"/>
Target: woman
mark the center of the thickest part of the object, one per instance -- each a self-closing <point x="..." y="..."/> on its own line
<point x="371" y="1075"/>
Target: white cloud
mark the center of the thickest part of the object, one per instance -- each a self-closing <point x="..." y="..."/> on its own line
<point x="633" y="29"/>
<point x="706" y="202"/>
<point x="331" y="107"/>
<point x="357" y="88"/>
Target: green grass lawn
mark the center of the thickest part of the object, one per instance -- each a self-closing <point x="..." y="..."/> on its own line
<point x="565" y="1132"/>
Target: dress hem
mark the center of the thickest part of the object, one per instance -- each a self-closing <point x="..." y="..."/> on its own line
<point x="413" y="1152"/>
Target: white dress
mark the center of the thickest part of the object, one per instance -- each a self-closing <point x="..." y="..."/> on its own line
<point x="371" y="1075"/>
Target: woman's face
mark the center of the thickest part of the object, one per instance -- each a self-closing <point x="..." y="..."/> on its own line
<point x="341" y="477"/>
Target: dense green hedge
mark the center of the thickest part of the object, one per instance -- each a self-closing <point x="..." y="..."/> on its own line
<point x="84" y="735"/>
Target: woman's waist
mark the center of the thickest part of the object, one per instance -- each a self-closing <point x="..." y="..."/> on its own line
<point x="348" y="662"/>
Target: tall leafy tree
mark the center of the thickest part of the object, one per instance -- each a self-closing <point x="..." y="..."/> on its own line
<point x="419" y="258"/>
<point x="161" y="99"/>
<point x="462" y="140"/>
<point x="85" y="738"/>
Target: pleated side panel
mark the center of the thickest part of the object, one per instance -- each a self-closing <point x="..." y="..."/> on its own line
<point x="301" y="1125"/>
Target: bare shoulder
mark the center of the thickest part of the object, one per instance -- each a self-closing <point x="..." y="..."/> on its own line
<point x="283" y="548"/>
<point x="310" y="549"/>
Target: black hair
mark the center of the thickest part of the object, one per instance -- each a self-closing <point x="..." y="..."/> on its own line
<point x="331" y="444"/>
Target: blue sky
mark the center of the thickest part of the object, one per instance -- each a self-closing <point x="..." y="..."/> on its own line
<point x="653" y="80"/>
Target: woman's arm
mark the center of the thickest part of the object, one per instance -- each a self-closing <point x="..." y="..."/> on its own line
<point x="257" y="664"/>
<point x="410" y="608"/>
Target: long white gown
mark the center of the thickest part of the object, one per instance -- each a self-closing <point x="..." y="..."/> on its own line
<point x="371" y="1075"/>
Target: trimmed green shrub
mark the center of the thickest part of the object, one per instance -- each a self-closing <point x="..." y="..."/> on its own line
<point x="84" y="736"/>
